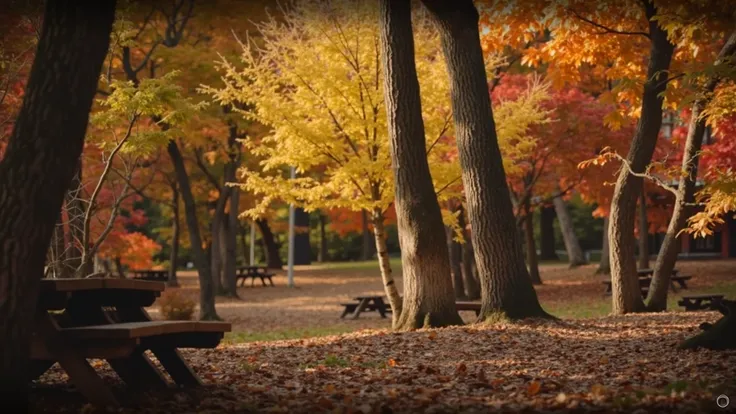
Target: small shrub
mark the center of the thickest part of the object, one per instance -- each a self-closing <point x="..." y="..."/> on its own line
<point x="176" y="306"/>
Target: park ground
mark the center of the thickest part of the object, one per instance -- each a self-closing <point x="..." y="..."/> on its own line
<point x="290" y="352"/>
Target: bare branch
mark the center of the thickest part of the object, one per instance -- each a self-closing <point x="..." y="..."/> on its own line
<point x="606" y="29"/>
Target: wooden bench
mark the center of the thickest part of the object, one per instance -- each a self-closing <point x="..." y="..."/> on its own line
<point x="351" y="307"/>
<point x="700" y="302"/>
<point x="366" y="304"/>
<point x="681" y="280"/>
<point x="253" y="272"/>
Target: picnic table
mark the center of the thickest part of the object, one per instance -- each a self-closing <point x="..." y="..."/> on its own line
<point x="700" y="302"/>
<point x="366" y="304"/>
<point x="105" y="319"/>
<point x="150" y="274"/>
<point x="253" y="272"/>
<point x="645" y="280"/>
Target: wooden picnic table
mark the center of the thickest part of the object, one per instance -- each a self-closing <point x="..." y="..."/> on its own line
<point x="700" y="302"/>
<point x="650" y="272"/>
<point x="151" y="274"/>
<point x="645" y="282"/>
<point x="253" y="272"/>
<point x="105" y="319"/>
<point x="366" y="304"/>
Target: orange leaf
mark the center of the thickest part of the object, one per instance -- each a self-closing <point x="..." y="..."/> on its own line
<point x="392" y="362"/>
<point x="534" y="388"/>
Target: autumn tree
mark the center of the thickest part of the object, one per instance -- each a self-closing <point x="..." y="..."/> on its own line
<point x="506" y="286"/>
<point x="38" y="166"/>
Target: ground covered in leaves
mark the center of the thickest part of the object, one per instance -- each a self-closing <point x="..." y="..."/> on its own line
<point x="614" y="364"/>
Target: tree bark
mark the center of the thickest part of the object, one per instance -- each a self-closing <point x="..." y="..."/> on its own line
<point x="667" y="257"/>
<point x="368" y="244"/>
<point x="302" y="246"/>
<point x="40" y="160"/>
<point x="456" y="256"/>
<point x="428" y="297"/>
<point x="531" y="247"/>
<point x="206" y="289"/>
<point x="547" y="234"/>
<point x="231" y="244"/>
<point x="625" y="282"/>
<point x="273" y="259"/>
<point x="604" y="267"/>
<point x="384" y="264"/>
<point x="572" y="245"/>
<point x="470" y="279"/>
<point x="216" y="228"/>
<point x="175" y="235"/>
<point x="322" y="238"/>
<point x="505" y="284"/>
<point x="643" y="260"/>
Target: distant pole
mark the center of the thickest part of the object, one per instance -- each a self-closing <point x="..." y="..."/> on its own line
<point x="253" y="243"/>
<point x="290" y="273"/>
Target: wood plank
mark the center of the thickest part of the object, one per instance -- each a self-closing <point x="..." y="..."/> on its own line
<point x="129" y="330"/>
<point x="70" y="285"/>
<point x="213" y="326"/>
<point x="134" y="284"/>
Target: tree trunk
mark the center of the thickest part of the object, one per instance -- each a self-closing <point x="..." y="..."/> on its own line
<point x="231" y="244"/>
<point x="39" y="164"/>
<point x="547" y="234"/>
<point x="206" y="289"/>
<point x="505" y="284"/>
<point x="472" y="285"/>
<point x="456" y="256"/>
<point x="368" y="244"/>
<point x="175" y="234"/>
<point x="531" y="247"/>
<point x="273" y="259"/>
<point x="657" y="299"/>
<point x="384" y="264"/>
<point x="216" y="228"/>
<point x="302" y="246"/>
<point x="604" y="267"/>
<point x="428" y="297"/>
<point x="625" y="282"/>
<point x="643" y="262"/>
<point x="572" y="245"/>
<point x="322" y="238"/>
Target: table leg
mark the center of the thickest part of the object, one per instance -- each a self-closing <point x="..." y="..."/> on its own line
<point x="39" y="368"/>
<point x="81" y="374"/>
<point x="361" y="307"/>
<point x="180" y="371"/>
<point x="381" y="307"/>
<point x="263" y="280"/>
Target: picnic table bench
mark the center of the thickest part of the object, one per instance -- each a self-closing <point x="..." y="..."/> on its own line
<point x="700" y="302"/>
<point x="253" y="272"/>
<point x="377" y="304"/>
<point x="106" y="319"/>
<point x="366" y="304"/>
<point x="150" y="274"/>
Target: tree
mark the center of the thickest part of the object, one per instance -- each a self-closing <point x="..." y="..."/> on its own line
<point x="38" y="166"/>
<point x="428" y="290"/>
<point x="505" y="283"/>
<point x="657" y="298"/>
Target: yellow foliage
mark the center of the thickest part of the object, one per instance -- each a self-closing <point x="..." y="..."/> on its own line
<point x="315" y="80"/>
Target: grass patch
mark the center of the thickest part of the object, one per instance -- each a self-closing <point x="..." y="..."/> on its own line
<point x="245" y="337"/>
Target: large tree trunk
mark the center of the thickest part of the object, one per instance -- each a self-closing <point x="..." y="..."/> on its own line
<point x="531" y="247"/>
<point x="231" y="244"/>
<point x="625" y="282"/>
<point x="572" y="245"/>
<point x="657" y="300"/>
<point x="604" y="267"/>
<point x="40" y="161"/>
<point x="505" y="284"/>
<point x="384" y="264"/>
<point x="273" y="259"/>
<point x="547" y="234"/>
<point x="643" y="260"/>
<point x="470" y="279"/>
<point x="322" y="238"/>
<point x="302" y="246"/>
<point x="175" y="235"/>
<point x="206" y="289"/>
<point x="428" y="297"/>
<point x="216" y="247"/>
<point x="456" y="256"/>
<point x="368" y="244"/>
